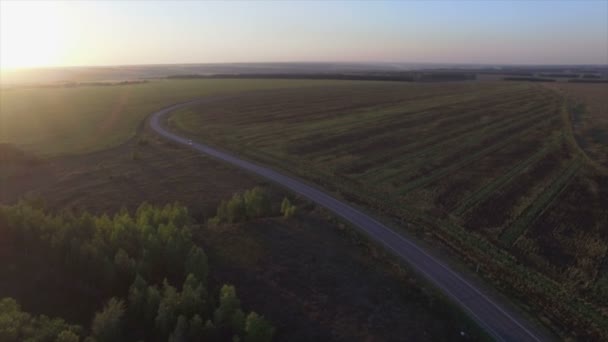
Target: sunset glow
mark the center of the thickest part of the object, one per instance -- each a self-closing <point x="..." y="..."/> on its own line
<point x="32" y="34"/>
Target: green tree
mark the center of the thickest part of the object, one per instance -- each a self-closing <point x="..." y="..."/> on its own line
<point x="12" y="319"/>
<point x="197" y="264"/>
<point x="67" y="336"/>
<point x="180" y="333"/>
<point x="137" y="297"/>
<point x="229" y="304"/>
<point x="124" y="264"/>
<point x="210" y="332"/>
<point x="222" y="212"/>
<point x="17" y="326"/>
<point x="192" y="297"/>
<point x="167" y="309"/>
<point x="237" y="322"/>
<point x="153" y="298"/>
<point x="287" y="209"/>
<point x="108" y="324"/>
<point x="237" y="212"/>
<point x="257" y="203"/>
<point x="196" y="332"/>
<point x="258" y="329"/>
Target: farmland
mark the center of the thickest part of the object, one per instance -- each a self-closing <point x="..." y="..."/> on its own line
<point x="59" y="120"/>
<point x="589" y="116"/>
<point x="491" y="171"/>
<point x="325" y="281"/>
<point x="489" y="168"/>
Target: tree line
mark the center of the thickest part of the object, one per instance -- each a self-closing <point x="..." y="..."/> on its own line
<point x="147" y="267"/>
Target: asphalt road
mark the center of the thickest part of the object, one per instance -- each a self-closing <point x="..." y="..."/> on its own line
<point x="501" y="323"/>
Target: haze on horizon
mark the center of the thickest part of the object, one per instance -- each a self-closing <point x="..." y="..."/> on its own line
<point x="47" y="34"/>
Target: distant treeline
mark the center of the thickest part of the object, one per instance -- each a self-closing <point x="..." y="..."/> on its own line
<point x="509" y="73"/>
<point x="588" y="81"/>
<point x="402" y="78"/>
<point x="528" y="79"/>
<point x="560" y="75"/>
<point x="545" y="69"/>
<point x="397" y="76"/>
<point x="84" y="84"/>
<point x="73" y="84"/>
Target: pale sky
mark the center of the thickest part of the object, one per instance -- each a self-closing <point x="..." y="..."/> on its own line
<point x="480" y="32"/>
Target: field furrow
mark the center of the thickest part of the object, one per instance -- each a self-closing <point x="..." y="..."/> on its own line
<point x="540" y="204"/>
<point x="489" y="189"/>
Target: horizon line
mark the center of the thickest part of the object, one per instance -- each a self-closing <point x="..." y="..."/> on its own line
<point x="17" y="69"/>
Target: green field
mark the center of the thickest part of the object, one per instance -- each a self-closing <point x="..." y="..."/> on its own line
<point x="52" y="121"/>
<point x="491" y="169"/>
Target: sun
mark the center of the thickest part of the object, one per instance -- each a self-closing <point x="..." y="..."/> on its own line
<point x="31" y="34"/>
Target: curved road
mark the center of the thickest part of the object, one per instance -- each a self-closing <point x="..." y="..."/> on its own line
<point x="500" y="323"/>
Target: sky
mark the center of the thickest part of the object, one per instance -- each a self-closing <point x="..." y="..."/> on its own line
<point x="161" y="32"/>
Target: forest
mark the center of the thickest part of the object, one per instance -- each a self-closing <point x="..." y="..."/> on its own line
<point x="140" y="273"/>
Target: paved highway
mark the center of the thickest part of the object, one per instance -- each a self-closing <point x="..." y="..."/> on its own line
<point x="501" y="323"/>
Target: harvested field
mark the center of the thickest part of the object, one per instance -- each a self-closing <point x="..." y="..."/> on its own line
<point x="54" y="121"/>
<point x="589" y="116"/>
<point x="489" y="169"/>
<point x="479" y="161"/>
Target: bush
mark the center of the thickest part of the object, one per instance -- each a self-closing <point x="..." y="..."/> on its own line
<point x="254" y="203"/>
<point x="67" y="336"/>
<point x="287" y="209"/>
<point x="257" y="203"/>
<point x="258" y="329"/>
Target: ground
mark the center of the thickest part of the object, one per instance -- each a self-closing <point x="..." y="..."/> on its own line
<point x="490" y="170"/>
<point x="488" y="167"/>
<point x="60" y="120"/>
<point x="589" y="116"/>
<point x="312" y="276"/>
<point x="322" y="285"/>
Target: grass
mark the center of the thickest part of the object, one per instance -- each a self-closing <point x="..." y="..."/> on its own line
<point x="53" y="121"/>
<point x="475" y="164"/>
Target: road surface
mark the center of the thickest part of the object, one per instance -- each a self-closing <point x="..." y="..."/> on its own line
<point x="501" y="323"/>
